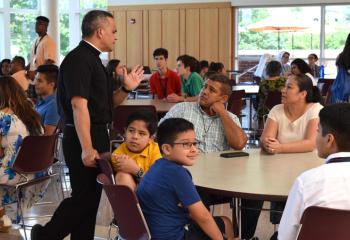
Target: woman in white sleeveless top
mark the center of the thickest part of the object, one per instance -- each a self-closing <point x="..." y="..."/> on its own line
<point x="292" y="125"/>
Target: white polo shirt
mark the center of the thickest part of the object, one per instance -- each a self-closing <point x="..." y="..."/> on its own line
<point x="325" y="186"/>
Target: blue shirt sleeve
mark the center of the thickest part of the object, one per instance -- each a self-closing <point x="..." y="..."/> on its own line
<point x="185" y="189"/>
<point x="51" y="117"/>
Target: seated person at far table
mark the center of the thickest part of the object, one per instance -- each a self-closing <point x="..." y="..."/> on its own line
<point x="191" y="81"/>
<point x="167" y="195"/>
<point x="135" y="156"/>
<point x="45" y="87"/>
<point x="216" y="128"/>
<point x="326" y="185"/>
<point x="165" y="81"/>
<point x="290" y="128"/>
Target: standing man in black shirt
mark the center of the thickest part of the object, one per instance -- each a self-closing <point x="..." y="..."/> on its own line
<point x="86" y="96"/>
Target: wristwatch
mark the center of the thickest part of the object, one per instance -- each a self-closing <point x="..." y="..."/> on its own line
<point x="139" y="174"/>
<point x="125" y="90"/>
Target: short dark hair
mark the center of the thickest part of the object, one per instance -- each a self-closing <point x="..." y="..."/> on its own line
<point x="273" y="69"/>
<point x="144" y="115"/>
<point x="20" y="60"/>
<point x="188" y="61"/>
<point x="160" y="52"/>
<point x="314" y="55"/>
<point x="335" y="119"/>
<point x="204" y="64"/>
<point x="305" y="84"/>
<point x="302" y="65"/>
<point x="170" y="128"/>
<point x="43" y="19"/>
<point x="216" y="66"/>
<point x="226" y="88"/>
<point x="50" y="71"/>
<point x="93" y="20"/>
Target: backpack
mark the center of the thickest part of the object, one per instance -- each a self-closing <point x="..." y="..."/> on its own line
<point x="341" y="86"/>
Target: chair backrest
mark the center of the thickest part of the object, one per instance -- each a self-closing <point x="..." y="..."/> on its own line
<point x="36" y="154"/>
<point x="235" y="102"/>
<point x="273" y="98"/>
<point x="324" y="223"/>
<point x="127" y="211"/>
<point x="121" y="114"/>
<point x="105" y="167"/>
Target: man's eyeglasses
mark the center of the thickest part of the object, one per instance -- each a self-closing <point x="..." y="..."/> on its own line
<point x="187" y="145"/>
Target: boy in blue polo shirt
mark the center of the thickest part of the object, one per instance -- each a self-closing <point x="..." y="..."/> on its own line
<point x="45" y="87"/>
<point x="168" y="197"/>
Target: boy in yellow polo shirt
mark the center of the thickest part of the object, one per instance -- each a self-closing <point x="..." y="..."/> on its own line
<point x="139" y="151"/>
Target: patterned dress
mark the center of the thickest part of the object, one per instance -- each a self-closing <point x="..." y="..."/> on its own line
<point x="13" y="131"/>
<point x="265" y="87"/>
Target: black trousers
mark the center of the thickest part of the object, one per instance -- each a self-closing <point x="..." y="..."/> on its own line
<point x="77" y="215"/>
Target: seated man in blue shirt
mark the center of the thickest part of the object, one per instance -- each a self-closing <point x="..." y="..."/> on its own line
<point x="45" y="86"/>
<point x="168" y="197"/>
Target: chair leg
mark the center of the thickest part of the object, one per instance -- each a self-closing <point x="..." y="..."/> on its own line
<point x="19" y="208"/>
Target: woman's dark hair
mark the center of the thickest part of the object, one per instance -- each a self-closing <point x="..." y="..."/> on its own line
<point x="169" y="129"/>
<point x="305" y="84"/>
<point x="5" y="60"/>
<point x="112" y="64"/>
<point x="216" y="67"/>
<point x="273" y="69"/>
<point x="12" y="96"/>
<point x="343" y="59"/>
<point x="302" y="65"/>
<point x="144" y="115"/>
<point x="335" y="119"/>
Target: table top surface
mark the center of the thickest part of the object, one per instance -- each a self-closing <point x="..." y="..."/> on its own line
<point x="258" y="176"/>
<point x="249" y="89"/>
<point x="161" y="105"/>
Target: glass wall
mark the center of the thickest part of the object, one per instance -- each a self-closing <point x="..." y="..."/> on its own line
<point x="20" y="16"/>
<point x="300" y="30"/>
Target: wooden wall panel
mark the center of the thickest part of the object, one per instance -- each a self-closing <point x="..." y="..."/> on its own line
<point x="145" y="38"/>
<point x="120" y="46"/>
<point x="204" y="31"/>
<point x="209" y="32"/>
<point x="171" y="34"/>
<point x="225" y="37"/>
<point x="134" y="38"/>
<point x="192" y="32"/>
<point x="154" y="34"/>
<point x="182" y="31"/>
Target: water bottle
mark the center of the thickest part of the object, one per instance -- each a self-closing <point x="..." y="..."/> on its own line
<point x="322" y="72"/>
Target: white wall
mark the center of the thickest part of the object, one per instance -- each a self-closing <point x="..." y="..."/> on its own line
<point x="243" y="3"/>
<point x="150" y="2"/>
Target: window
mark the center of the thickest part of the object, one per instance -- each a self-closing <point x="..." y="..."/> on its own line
<point x="20" y="16"/>
<point x="296" y="29"/>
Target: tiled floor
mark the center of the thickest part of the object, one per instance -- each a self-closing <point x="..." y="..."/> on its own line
<point x="264" y="229"/>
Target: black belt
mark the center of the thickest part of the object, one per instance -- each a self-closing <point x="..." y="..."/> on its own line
<point x="104" y="126"/>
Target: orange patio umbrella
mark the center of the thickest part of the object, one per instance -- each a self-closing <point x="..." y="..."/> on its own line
<point x="279" y="24"/>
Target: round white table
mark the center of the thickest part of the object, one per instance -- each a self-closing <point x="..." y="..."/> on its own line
<point x="259" y="176"/>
